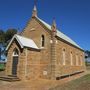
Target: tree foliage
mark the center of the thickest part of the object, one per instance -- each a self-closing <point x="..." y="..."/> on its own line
<point x="88" y="53"/>
<point x="2" y="36"/>
<point x="9" y="34"/>
<point x="5" y="37"/>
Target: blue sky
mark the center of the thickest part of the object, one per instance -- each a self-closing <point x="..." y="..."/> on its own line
<point x="72" y="16"/>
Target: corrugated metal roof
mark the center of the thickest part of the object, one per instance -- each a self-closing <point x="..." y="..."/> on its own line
<point x="60" y="34"/>
<point x="23" y="41"/>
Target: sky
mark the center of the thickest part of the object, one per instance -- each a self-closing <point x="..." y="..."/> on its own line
<point x="72" y="16"/>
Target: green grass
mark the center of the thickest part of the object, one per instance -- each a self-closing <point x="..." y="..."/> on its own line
<point x="82" y="83"/>
<point x="2" y="67"/>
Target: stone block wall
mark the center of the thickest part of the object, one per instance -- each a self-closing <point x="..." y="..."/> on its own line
<point x="35" y="30"/>
<point x="68" y="68"/>
<point x="21" y="60"/>
<point x="33" y="64"/>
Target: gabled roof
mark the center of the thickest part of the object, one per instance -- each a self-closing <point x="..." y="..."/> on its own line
<point x="23" y="42"/>
<point x="60" y="34"/>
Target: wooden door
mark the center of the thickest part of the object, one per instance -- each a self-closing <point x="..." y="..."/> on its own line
<point x="14" y="66"/>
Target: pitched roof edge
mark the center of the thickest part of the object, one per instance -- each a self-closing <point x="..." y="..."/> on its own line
<point x="22" y="44"/>
<point x="12" y="41"/>
<point x="49" y="27"/>
<point x="70" y="43"/>
<point x="30" y="43"/>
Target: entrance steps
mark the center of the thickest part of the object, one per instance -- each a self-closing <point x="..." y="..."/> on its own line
<point x="9" y="78"/>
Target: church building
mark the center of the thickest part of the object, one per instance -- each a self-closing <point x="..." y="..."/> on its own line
<point x="42" y="51"/>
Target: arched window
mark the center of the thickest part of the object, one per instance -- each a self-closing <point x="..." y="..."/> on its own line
<point x="71" y="58"/>
<point x="64" y="57"/>
<point x="81" y="60"/>
<point x="77" y="59"/>
<point x="15" y="52"/>
<point x="42" y="41"/>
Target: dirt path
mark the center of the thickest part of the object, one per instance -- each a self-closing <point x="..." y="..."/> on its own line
<point x="39" y="84"/>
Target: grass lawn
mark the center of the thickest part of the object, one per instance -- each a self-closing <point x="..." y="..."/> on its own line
<point x="82" y="83"/>
<point x="2" y="67"/>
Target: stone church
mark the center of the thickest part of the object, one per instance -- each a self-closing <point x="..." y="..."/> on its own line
<point x="42" y="51"/>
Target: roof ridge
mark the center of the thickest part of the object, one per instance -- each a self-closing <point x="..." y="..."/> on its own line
<point x="60" y="34"/>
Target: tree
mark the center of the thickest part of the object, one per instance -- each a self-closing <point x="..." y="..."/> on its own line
<point x="2" y="40"/>
<point x="2" y="36"/>
<point x="5" y="37"/>
<point x="87" y="57"/>
<point x="88" y="53"/>
<point x="9" y="34"/>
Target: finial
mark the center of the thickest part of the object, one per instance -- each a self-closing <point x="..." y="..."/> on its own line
<point x="35" y="2"/>
<point x="54" y="22"/>
<point x="54" y="25"/>
<point x="34" y="13"/>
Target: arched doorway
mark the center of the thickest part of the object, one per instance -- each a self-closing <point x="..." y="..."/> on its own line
<point x="15" y="62"/>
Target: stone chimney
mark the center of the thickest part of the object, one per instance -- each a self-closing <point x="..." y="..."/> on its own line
<point x="53" y="49"/>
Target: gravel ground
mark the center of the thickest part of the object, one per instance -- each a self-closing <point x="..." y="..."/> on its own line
<point x="38" y="84"/>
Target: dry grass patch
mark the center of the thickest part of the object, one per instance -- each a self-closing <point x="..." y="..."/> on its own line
<point x="82" y="83"/>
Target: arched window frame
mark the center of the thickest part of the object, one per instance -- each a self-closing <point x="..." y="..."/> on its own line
<point x="77" y="60"/>
<point x="15" y="52"/>
<point x="71" y="58"/>
<point x="64" y="56"/>
<point x="42" y="41"/>
<point x="81" y="60"/>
